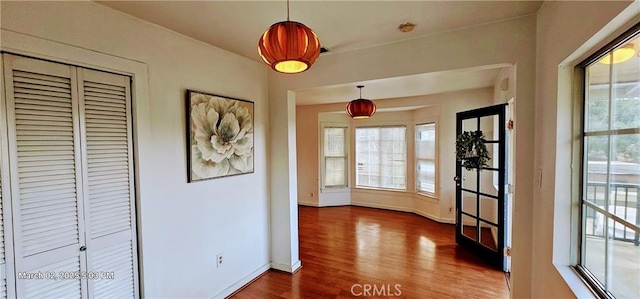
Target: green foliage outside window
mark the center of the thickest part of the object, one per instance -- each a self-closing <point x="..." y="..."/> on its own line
<point x="626" y="114"/>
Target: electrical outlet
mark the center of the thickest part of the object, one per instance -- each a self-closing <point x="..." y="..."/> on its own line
<point x="311" y="194"/>
<point x="219" y="260"/>
<point x="450" y="210"/>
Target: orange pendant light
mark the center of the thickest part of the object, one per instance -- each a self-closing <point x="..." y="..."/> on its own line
<point x="361" y="108"/>
<point x="289" y="47"/>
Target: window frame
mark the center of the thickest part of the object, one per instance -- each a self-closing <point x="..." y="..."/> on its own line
<point x="435" y="160"/>
<point x="406" y="158"/>
<point x="578" y="192"/>
<point x="323" y="160"/>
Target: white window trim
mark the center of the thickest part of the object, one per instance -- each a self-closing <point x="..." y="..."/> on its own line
<point x="576" y="282"/>
<point x="321" y="159"/>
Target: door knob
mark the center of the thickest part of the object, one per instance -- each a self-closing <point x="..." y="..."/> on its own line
<point x="457" y="180"/>
<point x="83" y="248"/>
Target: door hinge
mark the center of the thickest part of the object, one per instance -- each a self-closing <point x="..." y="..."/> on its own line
<point x="509" y="125"/>
<point x="507" y="251"/>
<point x="510" y="188"/>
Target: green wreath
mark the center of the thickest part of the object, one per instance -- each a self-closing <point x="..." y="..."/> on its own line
<point x="471" y="150"/>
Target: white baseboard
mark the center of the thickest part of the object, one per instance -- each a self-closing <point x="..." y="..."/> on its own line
<point x="287" y="268"/>
<point x="324" y="204"/>
<point x="379" y="206"/>
<point x="240" y="283"/>
<point x="334" y="204"/>
<point x="434" y="218"/>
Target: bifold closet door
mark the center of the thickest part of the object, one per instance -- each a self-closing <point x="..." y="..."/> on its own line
<point x="6" y="231"/>
<point x="46" y="188"/>
<point x="72" y="184"/>
<point x="108" y="173"/>
<point x="3" y="259"/>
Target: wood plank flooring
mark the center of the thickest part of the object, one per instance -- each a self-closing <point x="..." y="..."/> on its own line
<point x="355" y="252"/>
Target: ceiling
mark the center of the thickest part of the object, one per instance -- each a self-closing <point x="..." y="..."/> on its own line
<point x="398" y="87"/>
<point x="341" y="26"/>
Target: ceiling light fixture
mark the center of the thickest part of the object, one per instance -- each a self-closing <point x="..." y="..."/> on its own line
<point x="361" y="108"/>
<point x="289" y="47"/>
<point x="621" y="54"/>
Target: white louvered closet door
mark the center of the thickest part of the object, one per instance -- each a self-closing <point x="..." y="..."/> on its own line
<point x="3" y="261"/>
<point x="72" y="183"/>
<point x="43" y="131"/>
<point x="108" y="173"/>
<point x="6" y="230"/>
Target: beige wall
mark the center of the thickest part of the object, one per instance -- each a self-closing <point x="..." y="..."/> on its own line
<point x="567" y="33"/>
<point x="307" y="131"/>
<point x="439" y="108"/>
<point x="504" y="89"/>
<point x="182" y="226"/>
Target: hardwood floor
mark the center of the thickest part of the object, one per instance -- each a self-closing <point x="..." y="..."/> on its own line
<point x="351" y="252"/>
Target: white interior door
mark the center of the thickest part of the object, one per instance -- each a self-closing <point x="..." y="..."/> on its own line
<point x="3" y="261"/>
<point x="6" y="229"/>
<point x="109" y="192"/>
<point x="46" y="190"/>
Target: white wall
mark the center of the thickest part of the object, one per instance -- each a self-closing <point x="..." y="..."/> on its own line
<point x="511" y="41"/>
<point x="440" y="108"/>
<point x="567" y="33"/>
<point x="182" y="226"/>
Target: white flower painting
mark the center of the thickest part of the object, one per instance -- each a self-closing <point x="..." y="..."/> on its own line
<point x="220" y="136"/>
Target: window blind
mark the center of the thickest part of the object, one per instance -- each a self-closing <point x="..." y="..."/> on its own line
<point x="381" y="157"/>
<point x="335" y="159"/>
<point x="426" y="158"/>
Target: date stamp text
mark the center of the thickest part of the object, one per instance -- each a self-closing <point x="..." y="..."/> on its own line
<point x="66" y="275"/>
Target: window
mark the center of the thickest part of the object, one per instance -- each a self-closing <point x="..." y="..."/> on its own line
<point x="381" y="157"/>
<point x="610" y="189"/>
<point x="335" y="157"/>
<point x="426" y="158"/>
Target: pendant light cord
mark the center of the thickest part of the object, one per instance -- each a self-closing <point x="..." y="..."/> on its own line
<point x="288" y="11"/>
<point x="360" y="88"/>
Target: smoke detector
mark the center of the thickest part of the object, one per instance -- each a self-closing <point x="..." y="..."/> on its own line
<point x="407" y="27"/>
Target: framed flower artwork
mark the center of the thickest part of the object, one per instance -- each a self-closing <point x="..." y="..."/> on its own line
<point x="220" y="133"/>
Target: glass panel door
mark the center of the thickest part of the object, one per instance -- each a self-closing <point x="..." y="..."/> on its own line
<point x="481" y="192"/>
